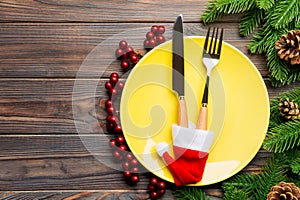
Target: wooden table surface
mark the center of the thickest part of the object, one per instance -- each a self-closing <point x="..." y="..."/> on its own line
<point x="43" y="45"/>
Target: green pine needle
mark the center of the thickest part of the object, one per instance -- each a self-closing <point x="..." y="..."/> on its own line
<point x="190" y="193"/>
<point x="211" y="13"/>
<point x="284" y="12"/>
<point x="278" y="68"/>
<point x="265" y="4"/>
<point x="235" y="6"/>
<point x="257" y="186"/>
<point x="233" y="193"/>
<point x="283" y="137"/>
<point x="271" y="18"/>
<point x="251" y="20"/>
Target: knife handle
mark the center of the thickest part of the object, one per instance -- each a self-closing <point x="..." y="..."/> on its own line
<point x="202" y="118"/>
<point x="182" y="113"/>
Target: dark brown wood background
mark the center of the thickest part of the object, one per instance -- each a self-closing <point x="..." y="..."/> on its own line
<point x="42" y="46"/>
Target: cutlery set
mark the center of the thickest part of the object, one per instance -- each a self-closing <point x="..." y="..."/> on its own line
<point x="190" y="146"/>
<point x="210" y="58"/>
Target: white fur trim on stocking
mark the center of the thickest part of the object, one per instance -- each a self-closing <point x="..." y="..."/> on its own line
<point x="162" y="148"/>
<point x="194" y="139"/>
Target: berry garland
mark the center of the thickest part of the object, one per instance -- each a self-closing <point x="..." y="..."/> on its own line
<point x="128" y="58"/>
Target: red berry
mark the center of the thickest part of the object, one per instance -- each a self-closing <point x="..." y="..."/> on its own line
<point x="134" y="58"/>
<point x="161" y="185"/>
<point x="160" y="39"/>
<point x="120" y="85"/>
<point x="111" y="119"/>
<point x="118" y="129"/>
<point x="123" y="147"/>
<point x="108" y="85"/>
<point x="110" y="110"/>
<point x="126" y="165"/>
<point x="134" y="162"/>
<point x="114" y="74"/>
<point x="129" y="50"/>
<point x="117" y="155"/>
<point x="152" y="43"/>
<point x="127" y="174"/>
<point x="135" y="170"/>
<point x="154" y="29"/>
<point x="161" y="192"/>
<point x="123" y="44"/>
<point x="161" y="30"/>
<point x="112" y="93"/>
<point x="125" y="64"/>
<point x="146" y="44"/>
<point x="119" y="53"/>
<point x="153" y="195"/>
<point x="135" y="179"/>
<point x="108" y="103"/>
<point x="150" y="35"/>
<point x="110" y="126"/>
<point x="151" y="188"/>
<point x="153" y="181"/>
<point x="112" y="143"/>
<point x="120" y="140"/>
<point x="129" y="156"/>
<point x="114" y="79"/>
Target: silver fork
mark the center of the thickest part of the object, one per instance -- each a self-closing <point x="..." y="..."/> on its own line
<point x="210" y="58"/>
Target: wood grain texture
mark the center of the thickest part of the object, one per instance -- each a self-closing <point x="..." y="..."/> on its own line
<point x="55" y="57"/>
<point x="76" y="163"/>
<point x="43" y="50"/>
<point x="102" y="11"/>
<point x="56" y="106"/>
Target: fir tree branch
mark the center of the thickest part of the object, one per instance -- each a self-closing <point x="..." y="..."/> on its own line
<point x="278" y="68"/>
<point x="257" y="186"/>
<point x="190" y="193"/>
<point x="235" y="6"/>
<point x="233" y="193"/>
<point x="251" y="20"/>
<point x="265" y="4"/>
<point x="295" y="165"/>
<point x="211" y="13"/>
<point x="284" y="12"/>
<point x="283" y="137"/>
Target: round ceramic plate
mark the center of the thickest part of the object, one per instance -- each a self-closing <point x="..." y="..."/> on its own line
<point x="238" y="108"/>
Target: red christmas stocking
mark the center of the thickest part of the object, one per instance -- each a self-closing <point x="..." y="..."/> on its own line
<point x="191" y="150"/>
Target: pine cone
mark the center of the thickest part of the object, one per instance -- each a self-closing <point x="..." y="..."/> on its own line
<point x="289" y="109"/>
<point x="289" y="47"/>
<point x="284" y="191"/>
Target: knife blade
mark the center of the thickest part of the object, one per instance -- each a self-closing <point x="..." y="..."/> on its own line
<point x="178" y="70"/>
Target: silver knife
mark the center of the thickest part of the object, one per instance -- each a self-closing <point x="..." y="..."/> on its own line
<point x="178" y="70"/>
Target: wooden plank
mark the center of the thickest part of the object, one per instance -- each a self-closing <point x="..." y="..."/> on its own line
<point x="47" y="106"/>
<point x="35" y="50"/>
<point x="30" y="163"/>
<point x="84" y="195"/>
<point x="102" y="11"/>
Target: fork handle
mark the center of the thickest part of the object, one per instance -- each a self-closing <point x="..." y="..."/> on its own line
<point x="202" y="118"/>
<point x="182" y="113"/>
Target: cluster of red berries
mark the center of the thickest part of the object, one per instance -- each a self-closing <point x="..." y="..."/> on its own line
<point x="156" y="188"/>
<point x="113" y="86"/>
<point x="127" y="55"/>
<point x="130" y="164"/>
<point x="154" y="37"/>
<point x="129" y="58"/>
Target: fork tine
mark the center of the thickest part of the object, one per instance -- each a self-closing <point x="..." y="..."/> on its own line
<point x="206" y="39"/>
<point x="215" y="42"/>
<point x="220" y="42"/>
<point x="211" y="41"/>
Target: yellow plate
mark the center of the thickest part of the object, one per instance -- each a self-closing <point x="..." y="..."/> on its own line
<point x="238" y="108"/>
